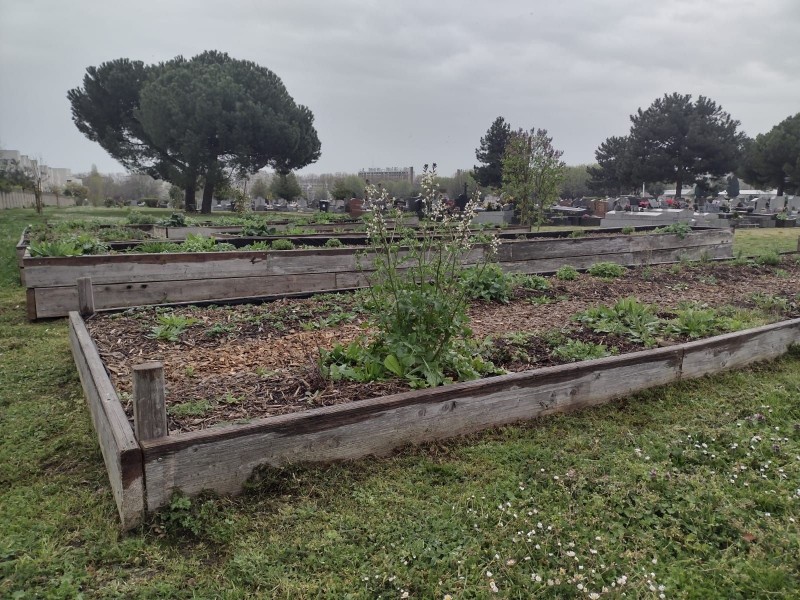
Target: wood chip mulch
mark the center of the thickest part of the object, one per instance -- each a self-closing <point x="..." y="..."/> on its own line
<point x="237" y="363"/>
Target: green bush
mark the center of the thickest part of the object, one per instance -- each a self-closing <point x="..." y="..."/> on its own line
<point x="535" y="283"/>
<point x="137" y="217"/>
<point x="680" y="229"/>
<point x="282" y="245"/>
<point x="607" y="270"/>
<point x="487" y="282"/>
<point x="418" y="301"/>
<point x="627" y="230"/>
<point x="567" y="273"/>
<point x="333" y="243"/>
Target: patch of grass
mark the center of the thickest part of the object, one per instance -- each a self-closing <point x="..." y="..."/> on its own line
<point x="192" y="408"/>
<point x="755" y="242"/>
<point x="770" y="257"/>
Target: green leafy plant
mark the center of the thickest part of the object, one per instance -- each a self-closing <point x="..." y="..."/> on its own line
<point x="201" y="518"/>
<point x="577" y="233"/>
<point x="333" y="243"/>
<point x="488" y="283"/>
<point x="680" y="229"/>
<point x="532" y="282"/>
<point x="627" y="317"/>
<point x="174" y="220"/>
<point x="256" y="229"/>
<point x="418" y="299"/>
<point x="576" y="350"/>
<point x="607" y="270"/>
<point x="154" y="247"/>
<point x="199" y="243"/>
<point x="627" y="230"/>
<point x="56" y="248"/>
<point x="260" y="245"/>
<point x="170" y="327"/>
<point x="695" y="322"/>
<point x="282" y="245"/>
<point x="567" y="273"/>
<point x="137" y="217"/>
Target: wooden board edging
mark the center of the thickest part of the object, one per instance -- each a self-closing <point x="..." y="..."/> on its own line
<point x="224" y="458"/>
<point x="127" y="280"/>
<point x="121" y="452"/>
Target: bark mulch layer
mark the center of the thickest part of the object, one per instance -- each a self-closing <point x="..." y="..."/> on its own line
<point x="236" y="363"/>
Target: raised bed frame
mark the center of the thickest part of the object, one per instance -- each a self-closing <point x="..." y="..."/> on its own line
<point x="145" y="471"/>
<point x="126" y="280"/>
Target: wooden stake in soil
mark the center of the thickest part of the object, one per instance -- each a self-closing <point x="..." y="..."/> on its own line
<point x="85" y="296"/>
<point x="149" y="401"/>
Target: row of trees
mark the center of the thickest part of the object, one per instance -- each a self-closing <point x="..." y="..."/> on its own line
<point x="197" y="122"/>
<point x="524" y="165"/>
<point x="695" y="143"/>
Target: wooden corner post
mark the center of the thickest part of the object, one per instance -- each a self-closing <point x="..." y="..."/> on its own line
<point x="149" y="401"/>
<point x="85" y="296"/>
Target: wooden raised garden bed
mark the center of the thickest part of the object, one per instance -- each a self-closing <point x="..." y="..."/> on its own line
<point x="126" y="280"/>
<point x="145" y="470"/>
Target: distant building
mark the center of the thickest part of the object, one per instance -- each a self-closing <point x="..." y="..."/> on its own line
<point x="50" y="176"/>
<point x="388" y="174"/>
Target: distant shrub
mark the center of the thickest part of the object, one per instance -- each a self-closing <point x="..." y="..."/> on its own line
<point x="607" y="270"/>
<point x="567" y="273"/>
<point x="282" y="245"/>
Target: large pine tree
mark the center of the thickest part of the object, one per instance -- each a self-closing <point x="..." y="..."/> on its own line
<point x="679" y="140"/>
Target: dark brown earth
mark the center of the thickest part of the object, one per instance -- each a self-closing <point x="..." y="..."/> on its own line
<point x="237" y="363"/>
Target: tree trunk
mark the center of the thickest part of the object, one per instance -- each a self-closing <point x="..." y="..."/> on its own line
<point x="189" y="198"/>
<point x="208" y="195"/>
<point x="678" y="187"/>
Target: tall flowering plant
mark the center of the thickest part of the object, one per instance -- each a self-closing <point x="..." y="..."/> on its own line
<point x="418" y="296"/>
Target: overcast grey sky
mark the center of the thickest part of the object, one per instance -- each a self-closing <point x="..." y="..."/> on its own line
<point x="404" y="83"/>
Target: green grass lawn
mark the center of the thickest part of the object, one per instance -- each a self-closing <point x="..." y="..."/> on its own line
<point x="754" y="242"/>
<point x="694" y="487"/>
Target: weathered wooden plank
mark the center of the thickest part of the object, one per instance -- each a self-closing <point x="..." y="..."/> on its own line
<point x="224" y="459"/>
<point x="539" y="249"/>
<point x="121" y="452"/>
<point x="625" y="258"/>
<point x="30" y="304"/>
<point x="135" y="268"/>
<point x="736" y="350"/>
<point x="149" y="401"/>
<point x="85" y="296"/>
<point x="58" y="301"/>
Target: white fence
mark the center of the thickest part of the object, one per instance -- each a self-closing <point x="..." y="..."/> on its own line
<point x="28" y="200"/>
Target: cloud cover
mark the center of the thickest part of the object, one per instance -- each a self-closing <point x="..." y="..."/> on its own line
<point x="398" y="84"/>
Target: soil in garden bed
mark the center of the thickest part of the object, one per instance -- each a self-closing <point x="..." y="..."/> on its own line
<point x="236" y="363"/>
